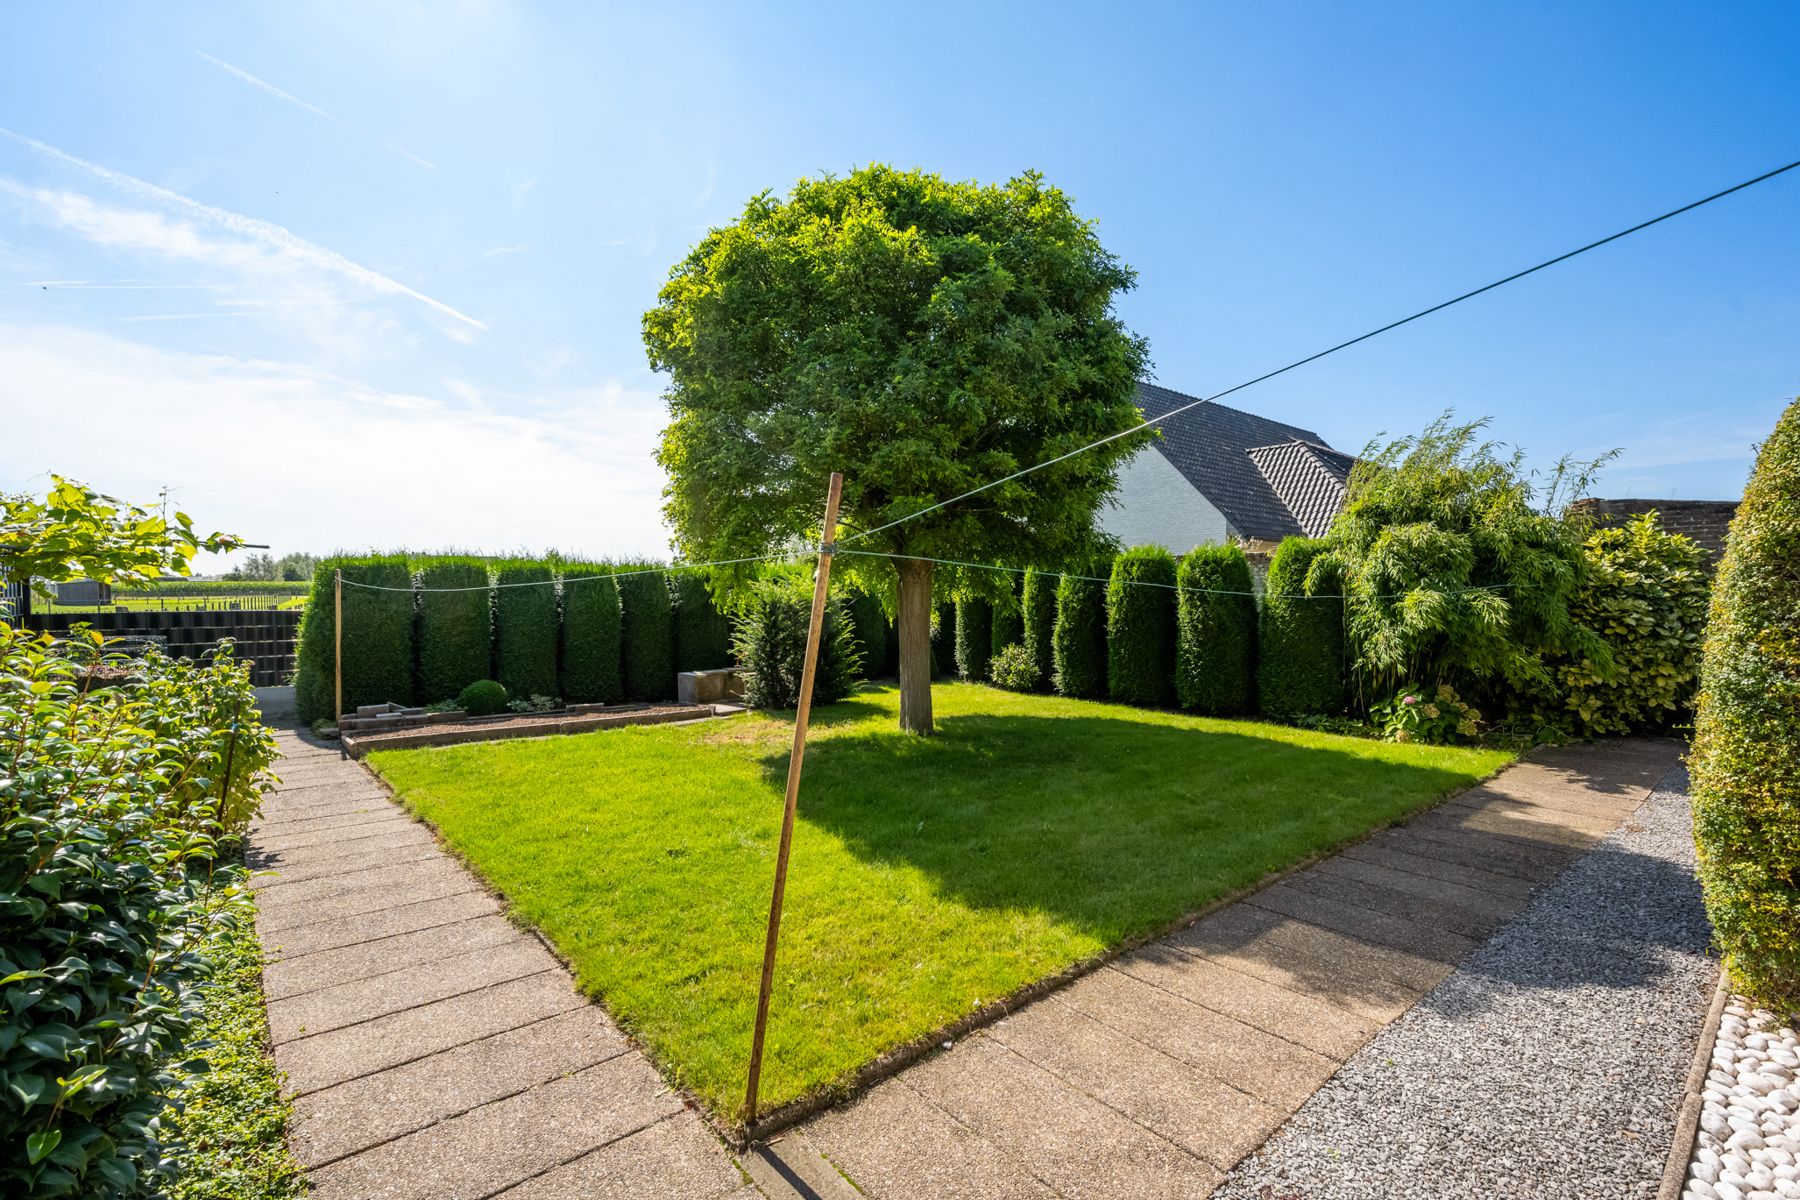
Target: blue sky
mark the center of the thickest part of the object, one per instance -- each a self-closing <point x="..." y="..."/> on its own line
<point x="347" y="274"/>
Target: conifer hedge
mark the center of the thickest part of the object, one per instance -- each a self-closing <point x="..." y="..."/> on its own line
<point x="974" y="637"/>
<point x="702" y="632"/>
<point x="1078" y="640"/>
<point x="869" y="624"/>
<point x="378" y="636"/>
<point x="525" y="628"/>
<point x="1008" y="624"/>
<point x="1300" y="659"/>
<point x="646" y="636"/>
<point x="943" y="641"/>
<point x="456" y="626"/>
<point x="1215" y="632"/>
<point x="590" y="636"/>
<point x="1037" y="612"/>
<point x="1746" y="752"/>
<point x="1140" y="627"/>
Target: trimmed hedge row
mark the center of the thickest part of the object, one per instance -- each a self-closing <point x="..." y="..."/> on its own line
<point x="1078" y="640"/>
<point x="974" y="637"/>
<point x="378" y="636"/>
<point x="1746" y="751"/>
<point x="702" y="632"/>
<point x="1300" y="663"/>
<point x="1140" y="627"/>
<point x="646" y="636"/>
<point x="590" y="636"/>
<point x="1037" y="605"/>
<point x="1215" y="632"/>
<point x="525" y="629"/>
<point x="456" y="627"/>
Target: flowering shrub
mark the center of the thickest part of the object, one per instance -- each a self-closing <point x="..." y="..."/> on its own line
<point x="118" y="782"/>
<point x="1416" y="715"/>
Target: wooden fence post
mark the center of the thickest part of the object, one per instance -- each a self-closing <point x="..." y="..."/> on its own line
<point x="796" y="756"/>
<point x="337" y="635"/>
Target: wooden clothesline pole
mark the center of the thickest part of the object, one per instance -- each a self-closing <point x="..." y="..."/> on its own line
<point x="795" y="757"/>
<point x="337" y="635"/>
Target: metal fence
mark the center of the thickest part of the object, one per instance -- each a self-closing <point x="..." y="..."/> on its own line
<point x="266" y="638"/>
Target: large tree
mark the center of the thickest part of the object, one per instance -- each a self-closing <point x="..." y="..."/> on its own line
<point x="922" y="336"/>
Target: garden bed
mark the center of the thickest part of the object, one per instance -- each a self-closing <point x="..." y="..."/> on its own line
<point x="932" y="878"/>
<point x="453" y="728"/>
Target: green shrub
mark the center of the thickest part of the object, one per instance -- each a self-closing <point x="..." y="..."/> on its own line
<point x="1215" y="632"/>
<point x="1645" y="594"/>
<point x="525" y="627"/>
<point x="456" y="626"/>
<point x="1300" y="656"/>
<point x="1079" y="638"/>
<point x="974" y="636"/>
<point x="1014" y="669"/>
<point x="1746" y="752"/>
<point x="943" y="641"/>
<point x="1037" y="611"/>
<point x="646" y="635"/>
<point x="1007" y="625"/>
<point x="590" y="636"/>
<point x="378" y="636"/>
<point x="870" y="624"/>
<point x="483" y="698"/>
<point x="115" y="802"/>
<point x="1140" y="627"/>
<point x="1436" y="718"/>
<point x="770" y="642"/>
<point x="702" y="632"/>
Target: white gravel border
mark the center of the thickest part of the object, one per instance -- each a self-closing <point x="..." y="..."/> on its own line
<point x="1748" y="1145"/>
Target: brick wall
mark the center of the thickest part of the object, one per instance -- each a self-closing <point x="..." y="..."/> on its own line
<point x="1706" y="521"/>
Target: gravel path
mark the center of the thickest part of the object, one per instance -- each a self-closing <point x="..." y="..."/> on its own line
<point x="1750" y="1125"/>
<point x="1550" y="1064"/>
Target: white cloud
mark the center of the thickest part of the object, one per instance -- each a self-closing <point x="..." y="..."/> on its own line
<point x="306" y="460"/>
<point x="270" y="88"/>
<point x="248" y="244"/>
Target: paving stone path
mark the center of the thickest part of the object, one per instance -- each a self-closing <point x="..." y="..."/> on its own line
<point x="435" y="1050"/>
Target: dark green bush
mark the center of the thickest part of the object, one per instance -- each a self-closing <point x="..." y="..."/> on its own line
<point x="770" y="642"/>
<point x="1140" y="627"/>
<point x="646" y="635"/>
<point x="943" y="641"/>
<point x="525" y="627"/>
<point x="1079" y="639"/>
<point x="871" y="627"/>
<point x="702" y="632"/>
<point x="1746" y="752"/>
<point x="590" y="636"/>
<point x="1007" y="627"/>
<point x="1014" y="669"/>
<point x="974" y="636"/>
<point x="1037" y="610"/>
<point x="1215" y="632"/>
<point x="378" y="636"/>
<point x="456" y="626"/>
<point x="1645" y="595"/>
<point x="115" y="803"/>
<point x="483" y="698"/>
<point x="1300" y="658"/>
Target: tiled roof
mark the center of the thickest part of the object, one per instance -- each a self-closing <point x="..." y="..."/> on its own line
<point x="1211" y="446"/>
<point x="1309" y="479"/>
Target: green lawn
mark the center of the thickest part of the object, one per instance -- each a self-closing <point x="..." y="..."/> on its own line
<point x="929" y="875"/>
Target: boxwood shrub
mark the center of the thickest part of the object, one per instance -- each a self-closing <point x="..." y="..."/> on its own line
<point x="646" y="634"/>
<point x="378" y="636"/>
<point x="1300" y="657"/>
<point x="525" y="628"/>
<point x="1037" y="612"/>
<point x="1215" y="632"/>
<point x="1079" y="638"/>
<point x="1746" y="752"/>
<point x="456" y="626"/>
<point x="590" y="636"/>
<point x="1140" y="627"/>
<point x="1646" y="595"/>
<point x="770" y="642"/>
<point x="974" y="637"/>
<point x="702" y="632"/>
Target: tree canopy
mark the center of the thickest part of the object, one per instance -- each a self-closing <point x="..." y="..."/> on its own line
<point x="923" y="336"/>
<point x="75" y="532"/>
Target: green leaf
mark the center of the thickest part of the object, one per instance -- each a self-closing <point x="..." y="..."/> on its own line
<point x="39" y="1145"/>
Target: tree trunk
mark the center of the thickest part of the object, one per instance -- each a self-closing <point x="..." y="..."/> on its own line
<point x="914" y="603"/>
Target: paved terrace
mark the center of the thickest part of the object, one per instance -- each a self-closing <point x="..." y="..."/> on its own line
<point x="436" y="1050"/>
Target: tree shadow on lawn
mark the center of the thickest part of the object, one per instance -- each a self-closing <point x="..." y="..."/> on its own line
<point x="1112" y="825"/>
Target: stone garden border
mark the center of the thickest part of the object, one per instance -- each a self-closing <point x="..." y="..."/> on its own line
<point x="1693" y="1101"/>
<point x="458" y="730"/>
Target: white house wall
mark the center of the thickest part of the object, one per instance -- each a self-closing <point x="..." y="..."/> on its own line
<point x="1156" y="506"/>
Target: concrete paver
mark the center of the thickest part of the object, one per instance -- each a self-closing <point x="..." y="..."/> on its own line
<point x="360" y="928"/>
<point x="285" y="977"/>
<point x="674" y="1159"/>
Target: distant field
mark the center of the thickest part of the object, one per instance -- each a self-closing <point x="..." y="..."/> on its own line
<point x="179" y="603"/>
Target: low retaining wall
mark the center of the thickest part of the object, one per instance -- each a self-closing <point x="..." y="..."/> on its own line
<point x="516" y="725"/>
